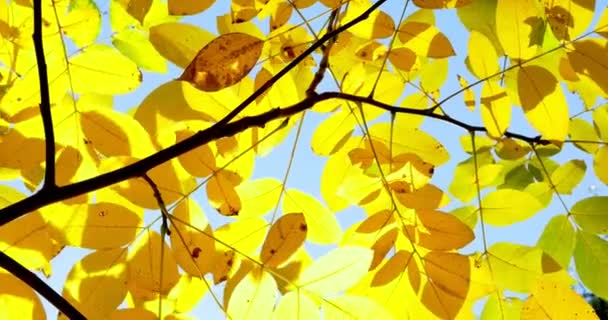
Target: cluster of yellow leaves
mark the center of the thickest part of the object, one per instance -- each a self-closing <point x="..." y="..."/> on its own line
<point x="403" y="259"/>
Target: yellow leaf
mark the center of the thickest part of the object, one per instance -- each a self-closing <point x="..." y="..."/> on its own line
<point x="259" y="196"/>
<point x="504" y="207"/>
<point x="336" y="271"/>
<point x="543" y="102"/>
<point x="254" y="297"/>
<point x="440" y="4"/>
<point x="96" y="285"/>
<point x="147" y="268"/>
<point x="425" y="40"/>
<point x="482" y="56"/>
<point x="18" y="300"/>
<point x="192" y="242"/>
<point x="541" y="304"/>
<point x="519" y="28"/>
<point x="89" y="71"/>
<point x="296" y="305"/>
<point x="242" y="10"/>
<point x="113" y="133"/>
<point x="179" y="42"/>
<point x="136" y="46"/>
<point x="600" y="164"/>
<point x="222" y="193"/>
<point x="569" y="19"/>
<point x="468" y="94"/>
<point x="82" y="23"/>
<point x="88" y="225"/>
<point x="323" y="227"/>
<point x="589" y="59"/>
<point x="244" y="235"/>
<point x="495" y="109"/>
<point x="133" y="313"/>
<point x="284" y="238"/>
<point x="188" y="7"/>
<point x="447" y="287"/>
<point x="223" y="62"/>
<point x="582" y="130"/>
<point x="354" y="307"/>
<point x="503" y="308"/>
<point x="331" y="135"/>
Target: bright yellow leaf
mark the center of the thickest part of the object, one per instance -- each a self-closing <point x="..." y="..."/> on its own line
<point x="483" y="60"/>
<point x="495" y="109"/>
<point x="254" y="297"/>
<point x="298" y="305"/>
<point x="519" y="27"/>
<point x="507" y="206"/>
<point x="179" y="42"/>
<point x="425" y="40"/>
<point x="18" y="300"/>
<point x="323" y="227"/>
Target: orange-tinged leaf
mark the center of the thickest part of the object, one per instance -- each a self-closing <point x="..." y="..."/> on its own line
<point x="482" y="56"/>
<point x="222" y="193"/>
<point x="543" y="102"/>
<point x="192" y="242"/>
<point x="404" y="59"/>
<point x="18" y="300"/>
<point x="392" y="269"/>
<point x="199" y="162"/>
<point x="519" y="28"/>
<point x="150" y="270"/>
<point x="569" y="19"/>
<point x="188" y="7"/>
<point x="179" y="42"/>
<point x="495" y="109"/>
<point x="507" y="206"/>
<point x="242" y="10"/>
<point x="382" y="246"/>
<point x="296" y="304"/>
<point x="376" y="222"/>
<point x="223" y="62"/>
<point x="589" y="59"/>
<point x="284" y="238"/>
<point x="541" y="304"/>
<point x="425" y="40"/>
<point x="448" y="285"/>
<point x="96" y="285"/>
<point x="254" y="297"/>
<point x="336" y="271"/>
<point x="428" y="197"/>
<point x="443" y="231"/>
<point x="323" y="227"/>
<point x="137" y="8"/>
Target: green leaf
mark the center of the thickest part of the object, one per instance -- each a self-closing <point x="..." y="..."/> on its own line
<point x="568" y="176"/>
<point x="136" y="46"/>
<point x="591" y="214"/>
<point x="558" y="239"/>
<point x="507" y="206"/>
<point x="591" y="260"/>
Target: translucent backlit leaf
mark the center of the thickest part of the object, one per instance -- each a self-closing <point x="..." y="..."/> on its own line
<point x="188" y="7"/>
<point x="568" y="176"/>
<point x="581" y="130"/>
<point x="338" y="270"/>
<point x="149" y="269"/>
<point x="443" y="231"/>
<point x="589" y="60"/>
<point x="504" y="308"/>
<point x="89" y="71"/>
<point x="137" y="8"/>
<point x="199" y="162"/>
<point x="468" y="94"/>
<point x="495" y="109"/>
<point x="569" y="19"/>
<point x="354" y="307"/>
<point x="600" y="121"/>
<point x="254" y="297"/>
<point x="296" y="305"/>
<point x="18" y="300"/>
<point x="244" y="235"/>
<point x="441" y="4"/>
<point x="557" y="240"/>
<point x="507" y="206"/>
<point x="192" y="242"/>
<point x="591" y="259"/>
<point x="543" y="102"/>
<point x="541" y="304"/>
<point x="323" y="227"/>
<point x="483" y="60"/>
<point x="519" y="28"/>
<point x="425" y="40"/>
<point x="221" y="191"/>
<point x="331" y="135"/>
<point x="82" y="23"/>
<point x="591" y="214"/>
<point x="135" y="45"/>
<point x="88" y="225"/>
<point x="96" y="285"/>
<point x="259" y="196"/>
<point x="284" y="238"/>
<point x="449" y="280"/>
<point x="223" y="62"/>
<point x="179" y="42"/>
<point x="600" y="164"/>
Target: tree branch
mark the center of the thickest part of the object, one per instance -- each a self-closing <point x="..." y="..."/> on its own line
<point x="45" y="100"/>
<point x="29" y="278"/>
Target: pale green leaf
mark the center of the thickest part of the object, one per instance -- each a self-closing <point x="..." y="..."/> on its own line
<point x="591" y="214"/>
<point x="557" y="240"/>
<point x="507" y="206"/>
<point x="591" y="260"/>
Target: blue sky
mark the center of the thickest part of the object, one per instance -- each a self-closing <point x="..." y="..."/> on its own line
<point x="307" y="167"/>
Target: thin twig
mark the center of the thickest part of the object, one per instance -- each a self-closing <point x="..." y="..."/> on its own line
<point x="29" y="278"/>
<point x="159" y="201"/>
<point x="45" y="100"/>
<point x="324" y="64"/>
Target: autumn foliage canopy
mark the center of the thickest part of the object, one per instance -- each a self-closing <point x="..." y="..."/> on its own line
<point x="86" y="163"/>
